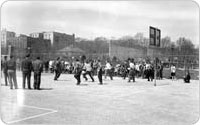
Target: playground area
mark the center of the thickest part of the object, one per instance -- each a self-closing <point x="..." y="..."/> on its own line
<point x="115" y="102"/>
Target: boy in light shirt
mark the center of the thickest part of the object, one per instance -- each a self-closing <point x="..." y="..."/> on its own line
<point x="131" y="71"/>
<point x="108" y="70"/>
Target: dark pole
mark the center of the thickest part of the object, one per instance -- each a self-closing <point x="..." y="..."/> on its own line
<point x="155" y="65"/>
<point x="172" y="47"/>
<point x="155" y="70"/>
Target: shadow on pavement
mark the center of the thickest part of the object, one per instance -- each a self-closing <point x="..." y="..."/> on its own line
<point x="83" y="85"/>
<point x="46" y="88"/>
<point x="4" y="85"/>
<point x="62" y="80"/>
<point x="162" y="84"/>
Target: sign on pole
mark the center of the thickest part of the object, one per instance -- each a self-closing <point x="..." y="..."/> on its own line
<point x="154" y="36"/>
<point x="154" y="40"/>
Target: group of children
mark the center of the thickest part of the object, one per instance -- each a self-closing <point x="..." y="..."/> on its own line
<point x="86" y="69"/>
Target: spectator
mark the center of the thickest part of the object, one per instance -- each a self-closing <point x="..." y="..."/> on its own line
<point x="173" y="72"/>
<point x="37" y="69"/>
<point x="11" y="66"/>
<point x="187" y="77"/>
<point x="58" y="68"/>
<point x="131" y="71"/>
<point x="26" y="71"/>
<point x="5" y="70"/>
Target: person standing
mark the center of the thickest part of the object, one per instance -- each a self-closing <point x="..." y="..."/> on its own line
<point x="37" y="69"/>
<point x="126" y="66"/>
<point x="161" y="70"/>
<point x="158" y="68"/>
<point x="77" y="72"/>
<point x="46" y="66"/>
<point x="173" y="72"/>
<point x="108" y="70"/>
<point x="18" y="64"/>
<point x="99" y="72"/>
<point x="88" y="70"/>
<point x="95" y="67"/>
<point x="26" y="71"/>
<point x="5" y="70"/>
<point x="11" y="66"/>
<point x="51" y="66"/>
<point x="123" y="70"/>
<point x="149" y="72"/>
<point x="58" y="68"/>
<point x="187" y="77"/>
<point x="131" y="70"/>
<point x="137" y="69"/>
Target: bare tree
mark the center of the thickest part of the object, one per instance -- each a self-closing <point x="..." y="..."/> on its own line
<point x="166" y="42"/>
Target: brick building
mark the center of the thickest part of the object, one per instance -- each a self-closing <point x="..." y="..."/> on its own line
<point x="22" y="45"/>
<point x="36" y="35"/>
<point x="58" y="40"/>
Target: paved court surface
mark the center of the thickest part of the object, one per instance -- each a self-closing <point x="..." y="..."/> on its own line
<point x="114" y="103"/>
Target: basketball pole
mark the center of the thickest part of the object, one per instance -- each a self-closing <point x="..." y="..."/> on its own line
<point x="155" y="62"/>
<point x="155" y="70"/>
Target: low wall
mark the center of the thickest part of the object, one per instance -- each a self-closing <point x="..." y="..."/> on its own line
<point x="123" y="53"/>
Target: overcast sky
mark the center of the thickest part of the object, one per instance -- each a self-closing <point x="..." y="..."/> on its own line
<point x="103" y="18"/>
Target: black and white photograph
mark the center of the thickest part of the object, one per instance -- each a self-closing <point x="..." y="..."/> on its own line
<point x="100" y="62"/>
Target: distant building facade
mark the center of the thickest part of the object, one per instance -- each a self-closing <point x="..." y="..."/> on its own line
<point x="21" y="45"/>
<point x="36" y="35"/>
<point x="45" y="44"/>
<point x="58" y="40"/>
<point x="5" y="35"/>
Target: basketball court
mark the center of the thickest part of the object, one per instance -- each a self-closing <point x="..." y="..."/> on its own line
<point x="115" y="102"/>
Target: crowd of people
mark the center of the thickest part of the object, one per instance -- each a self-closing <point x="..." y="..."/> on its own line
<point x="129" y="68"/>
